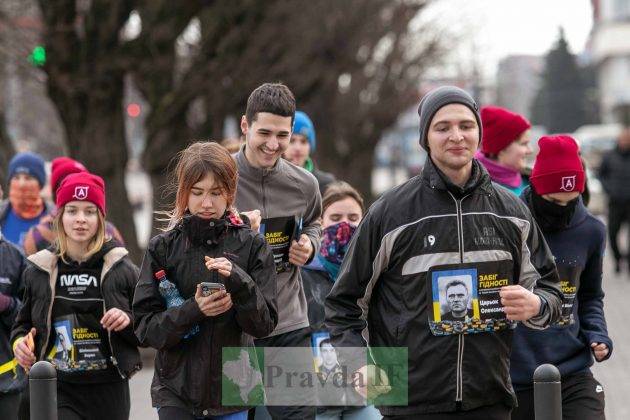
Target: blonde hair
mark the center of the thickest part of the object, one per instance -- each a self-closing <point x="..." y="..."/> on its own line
<point x="193" y="164"/>
<point x="61" y="239"/>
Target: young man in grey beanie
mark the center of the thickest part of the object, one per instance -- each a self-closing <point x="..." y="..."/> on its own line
<point x="448" y="223"/>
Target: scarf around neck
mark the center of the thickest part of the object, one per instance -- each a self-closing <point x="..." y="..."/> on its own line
<point x="499" y="173"/>
<point x="25" y="200"/>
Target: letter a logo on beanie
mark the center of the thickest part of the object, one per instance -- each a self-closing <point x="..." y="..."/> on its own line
<point x="568" y="183"/>
<point x="82" y="186"/>
<point x="81" y="192"/>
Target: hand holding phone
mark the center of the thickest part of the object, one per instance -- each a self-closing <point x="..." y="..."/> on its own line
<point x="208" y="288"/>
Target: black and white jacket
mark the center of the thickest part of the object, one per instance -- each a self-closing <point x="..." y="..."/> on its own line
<point x="383" y="295"/>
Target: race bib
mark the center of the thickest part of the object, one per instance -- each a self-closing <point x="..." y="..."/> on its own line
<point x="465" y="297"/>
<point x="279" y="232"/>
<point x="78" y="344"/>
<point x="569" y="284"/>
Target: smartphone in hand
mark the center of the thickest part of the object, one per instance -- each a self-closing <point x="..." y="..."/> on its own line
<point x="208" y="288"/>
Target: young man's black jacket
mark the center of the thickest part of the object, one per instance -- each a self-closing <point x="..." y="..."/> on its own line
<point x="12" y="263"/>
<point x="118" y="280"/>
<point x="381" y="293"/>
<point x="188" y="371"/>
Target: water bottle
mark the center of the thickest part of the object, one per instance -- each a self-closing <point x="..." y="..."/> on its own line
<point x="171" y="295"/>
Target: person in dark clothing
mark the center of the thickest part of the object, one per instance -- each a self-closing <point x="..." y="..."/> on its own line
<point x="81" y="291"/>
<point x="12" y="378"/>
<point x="614" y="173"/>
<point x="205" y="241"/>
<point x="577" y="241"/>
<point x="342" y="211"/>
<point x="450" y="221"/>
<point x="302" y="147"/>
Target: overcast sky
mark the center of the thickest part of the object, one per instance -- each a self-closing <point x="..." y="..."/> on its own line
<point x="506" y="27"/>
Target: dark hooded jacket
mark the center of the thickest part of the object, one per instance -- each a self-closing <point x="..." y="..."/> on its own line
<point x="188" y="372"/>
<point x="579" y="255"/>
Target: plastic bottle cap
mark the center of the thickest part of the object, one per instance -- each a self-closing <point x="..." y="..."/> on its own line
<point x="159" y="274"/>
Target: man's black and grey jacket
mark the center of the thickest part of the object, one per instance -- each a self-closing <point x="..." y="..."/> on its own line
<point x="380" y="296"/>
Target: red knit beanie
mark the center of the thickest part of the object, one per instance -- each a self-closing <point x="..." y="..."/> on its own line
<point x="558" y="167"/>
<point x="82" y="186"/>
<point x="61" y="168"/>
<point x="500" y="128"/>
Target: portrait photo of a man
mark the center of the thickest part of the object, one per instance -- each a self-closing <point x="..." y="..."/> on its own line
<point x="457" y="300"/>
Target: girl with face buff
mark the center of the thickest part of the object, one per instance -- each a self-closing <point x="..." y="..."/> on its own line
<point x="577" y="241"/>
<point x="342" y="211"/>
<point x="205" y="241"/>
<point x="76" y="312"/>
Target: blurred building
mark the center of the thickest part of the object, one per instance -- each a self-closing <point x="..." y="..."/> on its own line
<point x="610" y="50"/>
<point x="518" y="80"/>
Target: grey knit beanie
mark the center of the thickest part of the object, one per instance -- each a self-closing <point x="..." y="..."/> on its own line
<point x="436" y="99"/>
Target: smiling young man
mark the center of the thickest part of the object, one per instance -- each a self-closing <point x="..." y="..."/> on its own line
<point x="288" y="201"/>
<point x="450" y="222"/>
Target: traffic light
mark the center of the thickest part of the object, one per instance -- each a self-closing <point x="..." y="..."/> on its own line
<point x="38" y="56"/>
<point x="134" y="110"/>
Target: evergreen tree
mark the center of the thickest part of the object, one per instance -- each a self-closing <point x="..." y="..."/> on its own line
<point x="561" y="101"/>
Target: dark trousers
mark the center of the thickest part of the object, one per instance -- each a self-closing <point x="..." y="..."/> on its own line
<point x="108" y="401"/>
<point x="491" y="412"/>
<point x="582" y="399"/>
<point x="9" y="404"/>
<point x="618" y="214"/>
<point x="297" y="338"/>
<point x="176" y="413"/>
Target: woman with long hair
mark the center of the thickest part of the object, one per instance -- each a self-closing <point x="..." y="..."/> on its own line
<point x="76" y="311"/>
<point x="206" y="246"/>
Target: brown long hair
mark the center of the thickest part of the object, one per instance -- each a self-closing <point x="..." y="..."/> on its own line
<point x="340" y="190"/>
<point x="61" y="239"/>
<point x="193" y="164"/>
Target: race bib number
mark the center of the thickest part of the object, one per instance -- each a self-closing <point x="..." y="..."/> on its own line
<point x="465" y="297"/>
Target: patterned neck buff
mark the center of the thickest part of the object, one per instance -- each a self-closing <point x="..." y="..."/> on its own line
<point x="335" y="241"/>
<point x="25" y="200"/>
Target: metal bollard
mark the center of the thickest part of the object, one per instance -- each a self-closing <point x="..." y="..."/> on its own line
<point x="547" y="393"/>
<point x="43" y="391"/>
